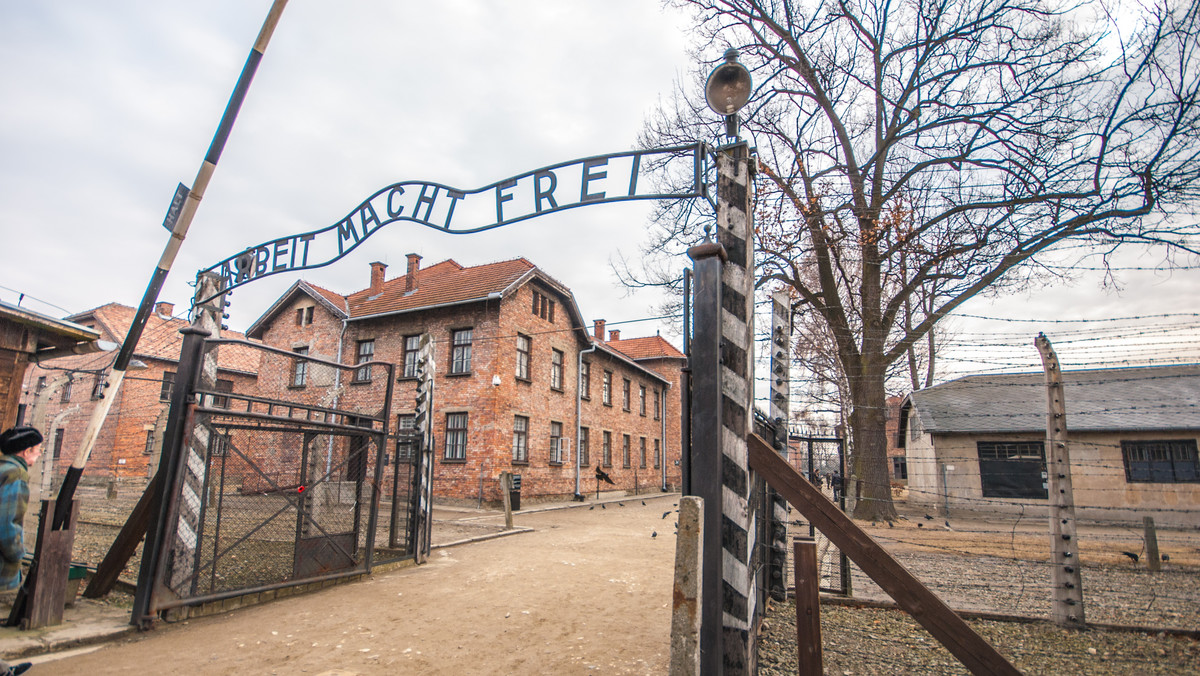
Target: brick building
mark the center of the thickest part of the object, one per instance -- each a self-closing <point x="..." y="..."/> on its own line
<point x="60" y="394"/>
<point x="521" y="383"/>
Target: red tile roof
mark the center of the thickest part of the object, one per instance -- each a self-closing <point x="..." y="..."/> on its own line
<point x="161" y="339"/>
<point x="650" y="347"/>
<point x="445" y="283"/>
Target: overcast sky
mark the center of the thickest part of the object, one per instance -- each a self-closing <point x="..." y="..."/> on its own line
<point x="106" y="106"/>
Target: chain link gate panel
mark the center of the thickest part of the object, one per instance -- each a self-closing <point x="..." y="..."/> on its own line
<point x="285" y="486"/>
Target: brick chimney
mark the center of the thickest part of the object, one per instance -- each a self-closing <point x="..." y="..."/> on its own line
<point x="614" y="335"/>
<point x="164" y="310"/>
<point x="377" y="270"/>
<point x="598" y="330"/>
<point x="410" y="278"/>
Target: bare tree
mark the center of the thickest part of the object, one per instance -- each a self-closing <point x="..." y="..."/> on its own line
<point x="1006" y="129"/>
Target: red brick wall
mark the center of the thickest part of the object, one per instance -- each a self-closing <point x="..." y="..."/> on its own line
<point x="492" y="395"/>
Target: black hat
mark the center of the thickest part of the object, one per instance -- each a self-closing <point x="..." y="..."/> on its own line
<point x="17" y="439"/>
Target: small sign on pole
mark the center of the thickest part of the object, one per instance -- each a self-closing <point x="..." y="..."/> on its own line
<point x="181" y="195"/>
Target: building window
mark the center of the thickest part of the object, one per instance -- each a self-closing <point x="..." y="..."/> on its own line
<point x="303" y="316"/>
<point x="406" y="437"/>
<point x="58" y="442"/>
<point x="412" y="349"/>
<point x="41" y="384"/>
<point x="585" y="380"/>
<point x="899" y="468"/>
<point x="366" y="353"/>
<point x="98" y="387"/>
<point x="1163" y="462"/>
<point x="66" y="390"/>
<point x="606" y="449"/>
<point x="220" y="443"/>
<point x="557" y="451"/>
<point x="1012" y="469"/>
<point x="642" y="400"/>
<point x="543" y="307"/>
<point x="460" y="355"/>
<point x="299" y="368"/>
<point x="626" y="451"/>
<point x="524" y="356"/>
<point x="168" y="384"/>
<point x="657" y="454"/>
<point x="625" y="385"/>
<point x="149" y="443"/>
<point x="606" y="389"/>
<point x="582" y="451"/>
<point x="520" y="451"/>
<point x="456" y="436"/>
<point x="556" y="370"/>
<point x="657" y="404"/>
<point x="642" y="452"/>
<point x="225" y="386"/>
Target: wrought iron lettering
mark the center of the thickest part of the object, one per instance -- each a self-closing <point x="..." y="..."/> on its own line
<point x="605" y="178"/>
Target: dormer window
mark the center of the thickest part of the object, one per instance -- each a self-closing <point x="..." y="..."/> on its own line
<point x="543" y="307"/>
<point x="304" y="316"/>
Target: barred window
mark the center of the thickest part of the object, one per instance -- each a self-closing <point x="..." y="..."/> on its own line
<point x="1164" y="461"/>
<point x="406" y="433"/>
<point x="300" y="368"/>
<point x="582" y="451"/>
<point x="1012" y="469"/>
<point x="168" y="384"/>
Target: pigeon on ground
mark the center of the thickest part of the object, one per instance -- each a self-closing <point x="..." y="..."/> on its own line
<point x="928" y="518"/>
<point x="591" y="508"/>
<point x="653" y="533"/>
<point x="603" y="507"/>
<point x="643" y="502"/>
<point x="666" y="514"/>
<point x="891" y="525"/>
<point x="920" y="525"/>
<point x="948" y="526"/>
<point x="1165" y="558"/>
<point x="622" y="504"/>
<point x="1132" y="557"/>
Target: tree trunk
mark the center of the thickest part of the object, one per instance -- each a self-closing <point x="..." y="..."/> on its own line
<point x="869" y="478"/>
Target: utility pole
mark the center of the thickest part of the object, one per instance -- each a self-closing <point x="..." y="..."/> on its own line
<point x="1065" y="574"/>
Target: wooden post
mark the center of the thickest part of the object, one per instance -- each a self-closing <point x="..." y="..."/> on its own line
<point x="808" y="606"/>
<point x="687" y="591"/>
<point x="1065" y="575"/>
<point x="1153" y="560"/>
<point x="506" y="496"/>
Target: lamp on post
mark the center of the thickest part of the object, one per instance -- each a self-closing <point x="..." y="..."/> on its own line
<point x="728" y="89"/>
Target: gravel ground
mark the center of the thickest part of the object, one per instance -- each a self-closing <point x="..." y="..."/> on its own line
<point x="858" y="641"/>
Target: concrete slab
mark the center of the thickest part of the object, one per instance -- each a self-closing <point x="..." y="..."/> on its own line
<point x="85" y="622"/>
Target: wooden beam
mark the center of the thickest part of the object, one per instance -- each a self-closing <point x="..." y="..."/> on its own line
<point x="914" y="597"/>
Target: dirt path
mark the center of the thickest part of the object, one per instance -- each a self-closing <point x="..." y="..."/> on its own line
<point x="494" y="607"/>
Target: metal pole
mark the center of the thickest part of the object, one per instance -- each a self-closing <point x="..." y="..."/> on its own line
<point x="705" y="464"/>
<point x="158" y="277"/>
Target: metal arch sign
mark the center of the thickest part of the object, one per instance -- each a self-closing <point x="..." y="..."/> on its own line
<point x="616" y="177"/>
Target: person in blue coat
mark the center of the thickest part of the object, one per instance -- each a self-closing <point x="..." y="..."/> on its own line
<point x="21" y="447"/>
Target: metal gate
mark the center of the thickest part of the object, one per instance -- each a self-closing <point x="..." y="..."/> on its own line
<point x="279" y="488"/>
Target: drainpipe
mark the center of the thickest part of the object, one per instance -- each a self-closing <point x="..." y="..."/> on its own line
<point x="579" y="415"/>
<point x="662" y="450"/>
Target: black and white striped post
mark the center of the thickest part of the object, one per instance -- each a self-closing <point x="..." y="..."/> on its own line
<point x="722" y="374"/>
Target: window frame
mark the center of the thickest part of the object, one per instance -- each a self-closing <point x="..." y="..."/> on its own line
<point x="299" y="377"/>
<point x="149" y="448"/>
<point x="411" y="355"/>
<point x="657" y="404"/>
<point x="524" y="358"/>
<point x="999" y="460"/>
<point x="65" y="395"/>
<point x="168" y="386"/>
<point x="641" y="400"/>
<point x="642" y="451"/>
<point x="606" y="388"/>
<point x="557" y="361"/>
<point x="585" y="380"/>
<point x="1170" y="469"/>
<point x="363" y="374"/>
<point x="581" y="447"/>
<point x="406" y="430"/>
<point x="460" y="351"/>
<point x="626" y="451"/>
<point x="556" y="437"/>
<point x="520" y="446"/>
<point x="606" y="448"/>
<point x="454" y="448"/>
<point x="657" y="453"/>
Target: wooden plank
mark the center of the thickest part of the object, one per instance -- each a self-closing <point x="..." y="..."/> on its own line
<point x="926" y="608"/>
<point x="808" y="606"/>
